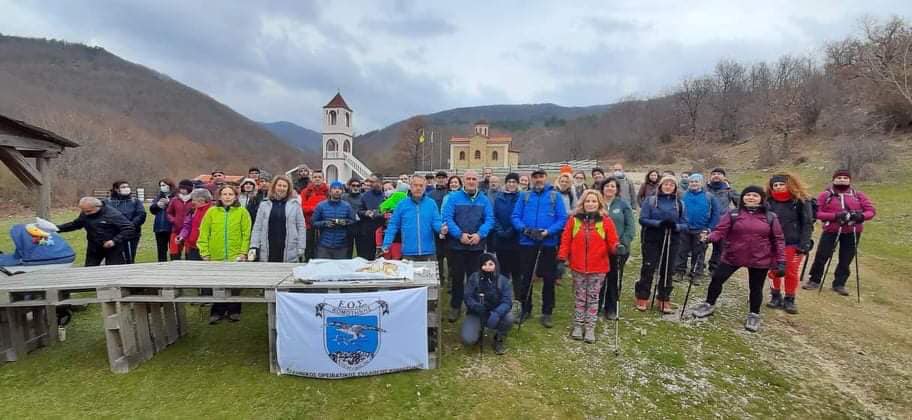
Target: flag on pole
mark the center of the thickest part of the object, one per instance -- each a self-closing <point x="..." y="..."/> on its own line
<point x="421" y="135"/>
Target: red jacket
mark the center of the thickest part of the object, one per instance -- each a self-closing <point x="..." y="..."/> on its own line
<point x="310" y="197"/>
<point x="848" y="201"/>
<point x="588" y="244"/>
<point x="196" y="220"/>
<point x="176" y="212"/>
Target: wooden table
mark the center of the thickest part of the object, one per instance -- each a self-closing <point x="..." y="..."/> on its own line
<point x="143" y="304"/>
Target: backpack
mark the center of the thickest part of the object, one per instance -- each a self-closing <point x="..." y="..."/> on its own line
<point x="552" y="194"/>
<point x="599" y="227"/>
<point x="734" y="213"/>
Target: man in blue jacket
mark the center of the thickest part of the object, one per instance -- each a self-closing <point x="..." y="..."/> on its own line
<point x="703" y="213"/>
<point x="469" y="217"/>
<point x="539" y="216"/>
<point x="419" y="221"/>
<point x="333" y="217"/>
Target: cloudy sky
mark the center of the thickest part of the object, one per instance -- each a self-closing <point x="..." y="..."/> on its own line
<point x="283" y="60"/>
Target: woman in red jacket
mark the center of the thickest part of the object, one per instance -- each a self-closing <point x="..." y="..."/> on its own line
<point x="588" y="240"/>
<point x="753" y="239"/>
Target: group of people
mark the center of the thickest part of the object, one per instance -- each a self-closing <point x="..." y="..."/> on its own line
<point x="495" y="236"/>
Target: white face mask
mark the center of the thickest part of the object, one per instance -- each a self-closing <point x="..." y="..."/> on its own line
<point x="165" y="189"/>
<point x="619" y="174"/>
<point x="124" y="191"/>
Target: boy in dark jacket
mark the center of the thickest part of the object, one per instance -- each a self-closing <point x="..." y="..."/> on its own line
<point x="489" y="300"/>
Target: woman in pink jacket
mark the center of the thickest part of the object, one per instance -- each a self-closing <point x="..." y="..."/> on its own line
<point x="843" y="211"/>
<point x="753" y="239"/>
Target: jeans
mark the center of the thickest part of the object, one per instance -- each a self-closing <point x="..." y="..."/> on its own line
<point x="472" y="325"/>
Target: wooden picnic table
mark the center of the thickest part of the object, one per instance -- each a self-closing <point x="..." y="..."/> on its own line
<point x="143" y="304"/>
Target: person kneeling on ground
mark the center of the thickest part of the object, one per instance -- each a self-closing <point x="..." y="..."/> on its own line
<point x="753" y="239"/>
<point x="489" y="301"/>
<point x="588" y="242"/>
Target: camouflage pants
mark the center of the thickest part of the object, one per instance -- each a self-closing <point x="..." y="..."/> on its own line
<point x="586" y="288"/>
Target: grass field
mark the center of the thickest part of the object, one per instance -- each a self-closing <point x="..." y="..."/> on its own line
<point x="837" y="359"/>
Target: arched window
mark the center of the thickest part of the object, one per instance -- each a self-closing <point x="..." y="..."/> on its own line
<point x="346" y="146"/>
<point x="461" y="155"/>
<point x="332" y="117"/>
<point x="348" y="119"/>
<point x="478" y="155"/>
<point x="331" y="145"/>
<point x="494" y="156"/>
<point x="332" y="173"/>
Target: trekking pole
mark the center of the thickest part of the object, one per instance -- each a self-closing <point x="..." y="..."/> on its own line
<point x="482" y="333"/>
<point x="617" y="318"/>
<point x="668" y="259"/>
<point x="857" y="275"/>
<point x="655" y="288"/>
<point x="804" y="266"/>
<point x="689" y="285"/>
<point x="528" y="297"/>
<point x="829" y="260"/>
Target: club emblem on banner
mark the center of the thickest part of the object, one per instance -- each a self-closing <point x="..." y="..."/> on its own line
<point x="352" y="331"/>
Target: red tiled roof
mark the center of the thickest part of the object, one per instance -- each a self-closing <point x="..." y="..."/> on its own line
<point x="337" y="102"/>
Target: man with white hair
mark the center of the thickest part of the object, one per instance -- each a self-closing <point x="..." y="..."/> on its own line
<point x="107" y="232"/>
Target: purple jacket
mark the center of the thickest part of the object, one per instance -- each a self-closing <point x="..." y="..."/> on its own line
<point x="751" y="241"/>
<point x="849" y="201"/>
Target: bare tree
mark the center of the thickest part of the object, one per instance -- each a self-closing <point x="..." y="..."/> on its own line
<point x="408" y="149"/>
<point x="730" y="88"/>
<point x="692" y="96"/>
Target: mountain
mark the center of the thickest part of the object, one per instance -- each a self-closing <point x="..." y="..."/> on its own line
<point x="131" y="122"/>
<point x="536" y="130"/>
<point x="295" y="135"/>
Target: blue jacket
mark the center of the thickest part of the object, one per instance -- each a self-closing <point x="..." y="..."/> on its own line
<point x="336" y="236"/>
<point x="703" y="210"/>
<point x="505" y="236"/>
<point x="465" y="214"/>
<point x="657" y="208"/>
<point x="161" y="222"/>
<point x="542" y="210"/>
<point x="418" y="222"/>
<point x="498" y="298"/>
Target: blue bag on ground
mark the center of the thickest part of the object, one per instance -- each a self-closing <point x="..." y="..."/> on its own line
<point x="37" y="248"/>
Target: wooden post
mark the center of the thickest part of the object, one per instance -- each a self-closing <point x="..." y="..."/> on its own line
<point x="44" y="188"/>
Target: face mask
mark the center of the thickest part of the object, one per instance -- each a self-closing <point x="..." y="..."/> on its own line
<point x="165" y="189"/>
<point x="124" y="191"/>
<point x="618" y="174"/>
<point x="388" y="193"/>
<point x="578" y="182"/>
<point x="184" y="197"/>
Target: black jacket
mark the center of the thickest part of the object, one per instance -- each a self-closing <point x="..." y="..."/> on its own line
<point x="108" y="224"/>
<point x="796" y="219"/>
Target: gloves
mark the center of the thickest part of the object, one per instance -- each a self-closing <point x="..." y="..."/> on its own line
<point x="857" y="216"/>
<point x="806" y="247"/>
<point x="493" y="320"/>
<point x="667" y="224"/>
<point x="780" y="270"/>
<point x="843" y="217"/>
<point x="534" y="234"/>
<point x="560" y="268"/>
<point x="621" y="250"/>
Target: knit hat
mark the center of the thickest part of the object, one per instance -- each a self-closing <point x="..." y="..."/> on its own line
<point x="753" y="189"/>
<point x="719" y="170"/>
<point x="512" y="175"/>
<point x="442" y="174"/>
<point x="566" y="169"/>
<point x="248" y="181"/>
<point x="337" y="184"/>
<point x="669" y="179"/>
<point x="485" y="258"/>
<point x="695" y="177"/>
<point x="842" y="172"/>
<point x="539" y="171"/>
<point x="779" y="178"/>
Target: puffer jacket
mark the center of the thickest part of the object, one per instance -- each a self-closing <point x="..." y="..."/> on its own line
<point x="335" y="236"/>
<point x="311" y="197"/>
<point x="295" y="230"/>
<point x="191" y="229"/>
<point x="418" y="223"/>
<point x="751" y="241"/>
<point x="224" y="233"/>
<point x="539" y="210"/>
<point x="830" y="203"/>
<point x="177" y="211"/>
<point x="107" y="224"/>
<point x="161" y="223"/>
<point x="131" y="208"/>
<point x="662" y="207"/>
<point x="796" y="220"/>
<point x="463" y="213"/>
<point x="587" y="243"/>
<point x="497" y="297"/>
<point x="505" y="237"/>
<point x="724" y="193"/>
<point x="703" y="210"/>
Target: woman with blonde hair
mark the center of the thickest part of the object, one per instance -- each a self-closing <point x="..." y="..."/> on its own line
<point x="565" y="188"/>
<point x="279" y="231"/>
<point x="224" y="235"/>
<point x="791" y="202"/>
<point x="588" y="241"/>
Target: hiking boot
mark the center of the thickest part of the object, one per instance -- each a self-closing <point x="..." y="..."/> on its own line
<point x="789" y="305"/>
<point x="611" y="316"/>
<point x="499" y="345"/>
<point x="546" y="321"/>
<point x="703" y="310"/>
<point x="665" y="307"/>
<point x="642" y="304"/>
<point x="577" y="333"/>
<point x="678" y="277"/>
<point x="752" y="323"/>
<point x="524" y="316"/>
<point x="589" y="337"/>
<point x="214" y="319"/>
<point x="775" y="300"/>
<point x="811" y="285"/>
<point x="234" y="317"/>
<point x="841" y="290"/>
<point x="453" y="315"/>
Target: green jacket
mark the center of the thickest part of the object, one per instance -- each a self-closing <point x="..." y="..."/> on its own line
<point x="224" y="233"/>
<point x="624" y="223"/>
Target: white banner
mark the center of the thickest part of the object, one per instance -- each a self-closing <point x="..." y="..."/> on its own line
<point x="343" y="335"/>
